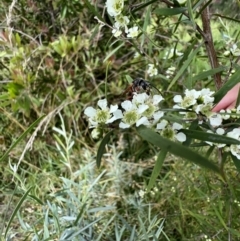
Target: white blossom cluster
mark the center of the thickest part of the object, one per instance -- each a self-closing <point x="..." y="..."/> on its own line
<point x="201" y="103"/>
<point x="115" y="9"/>
<point x="144" y="109"/>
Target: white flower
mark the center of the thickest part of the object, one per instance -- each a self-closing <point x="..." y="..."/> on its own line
<point x="220" y="131"/>
<point x="140" y="98"/>
<point x="171" y="132"/>
<point x="215" y="119"/>
<point x="162" y="125"/>
<point x="95" y="133"/>
<point x="152" y="70"/>
<point x="116" y="32"/>
<point x="133" y="114"/>
<point x="133" y="32"/>
<point x="225" y="114"/>
<point x="121" y="22"/>
<point x="235" y="149"/>
<point x="188" y="101"/>
<point x="158" y="115"/>
<point x="157" y="99"/>
<point x="153" y="108"/>
<point x="103" y="115"/>
<point x="141" y="193"/>
<point x="114" y="7"/>
<point x="204" y="109"/>
<point x="235" y="133"/>
<point x="179" y="135"/>
<point x="205" y="94"/>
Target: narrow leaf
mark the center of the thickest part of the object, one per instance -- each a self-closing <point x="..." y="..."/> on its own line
<point x="129" y="79"/>
<point x="101" y="149"/>
<point x="190" y="13"/>
<point x="205" y="74"/>
<point x="169" y="11"/>
<point x="238" y="98"/>
<point x="236" y="162"/>
<point x="184" y="67"/>
<point x="229" y="85"/>
<point x="176" y="149"/>
<point x="16" y="210"/>
<point x="140" y="6"/>
<point x="193" y="126"/>
<point x="23" y="135"/>
<point x="157" y="168"/>
<point x="199" y="135"/>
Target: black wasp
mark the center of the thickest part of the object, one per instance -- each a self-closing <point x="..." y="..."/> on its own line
<point x="139" y="85"/>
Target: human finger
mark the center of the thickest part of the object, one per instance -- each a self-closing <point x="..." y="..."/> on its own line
<point x="229" y="100"/>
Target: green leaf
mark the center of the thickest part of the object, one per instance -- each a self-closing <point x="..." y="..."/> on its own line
<point x="229" y="85"/>
<point x="129" y="79"/>
<point x="190" y="13"/>
<point x="236" y="162"/>
<point x="140" y="6"/>
<point x="101" y="149"/>
<point x="194" y="125"/>
<point x="176" y="149"/>
<point x="23" y="135"/>
<point x="238" y="98"/>
<point x="157" y="168"/>
<point x="205" y="74"/>
<point x="200" y="135"/>
<point x="169" y="11"/>
<point x="184" y="66"/>
<point x="16" y="210"/>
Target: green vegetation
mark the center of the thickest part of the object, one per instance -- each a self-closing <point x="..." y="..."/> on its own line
<point x="56" y="59"/>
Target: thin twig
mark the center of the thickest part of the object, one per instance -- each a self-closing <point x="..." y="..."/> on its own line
<point x="205" y="15"/>
<point x="170" y="4"/>
<point x="206" y="34"/>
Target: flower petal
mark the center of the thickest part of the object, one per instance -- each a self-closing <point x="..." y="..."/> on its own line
<point x="181" y="137"/>
<point x="102" y="104"/>
<point x="90" y="112"/>
<point x="177" y="126"/>
<point x="143" y="121"/>
<point x="177" y="98"/>
<point x="127" y="105"/>
<point x="113" y="108"/>
<point x="124" y="125"/>
<point x="142" y="108"/>
<point x="162" y="125"/>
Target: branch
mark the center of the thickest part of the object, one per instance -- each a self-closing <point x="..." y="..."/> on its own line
<point x="210" y="46"/>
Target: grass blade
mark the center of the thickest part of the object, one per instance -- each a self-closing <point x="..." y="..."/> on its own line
<point x="16" y="210"/>
<point x="157" y="168"/>
<point x="23" y="135"/>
